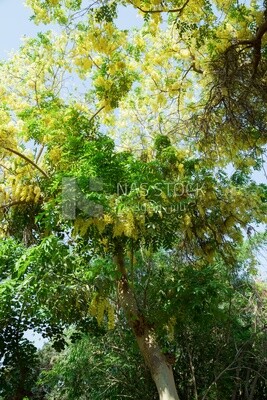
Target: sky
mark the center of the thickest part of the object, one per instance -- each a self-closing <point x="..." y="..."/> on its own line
<point x="15" y="24"/>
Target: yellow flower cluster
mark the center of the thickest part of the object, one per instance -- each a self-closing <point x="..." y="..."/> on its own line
<point x="28" y="193"/>
<point x="81" y="226"/>
<point x="4" y="195"/>
<point x="53" y="2"/>
<point x="40" y="12"/>
<point x="99" y="307"/>
<point x="55" y="154"/>
<point x="125" y="225"/>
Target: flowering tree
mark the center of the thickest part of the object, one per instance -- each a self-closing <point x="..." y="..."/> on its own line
<point x="114" y="146"/>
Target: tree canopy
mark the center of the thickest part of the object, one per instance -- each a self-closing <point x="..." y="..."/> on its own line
<point x="126" y="159"/>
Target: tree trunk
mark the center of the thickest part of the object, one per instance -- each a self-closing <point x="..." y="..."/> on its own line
<point x="160" y="369"/>
<point x="155" y="360"/>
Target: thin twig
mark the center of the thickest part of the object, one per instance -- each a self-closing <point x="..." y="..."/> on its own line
<point x="98" y="111"/>
<point x="40" y="153"/>
<point x="175" y="10"/>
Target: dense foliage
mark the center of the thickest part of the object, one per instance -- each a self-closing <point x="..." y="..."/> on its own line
<point x="127" y="201"/>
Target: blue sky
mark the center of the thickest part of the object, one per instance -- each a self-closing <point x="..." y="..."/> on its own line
<point x="15" y="24"/>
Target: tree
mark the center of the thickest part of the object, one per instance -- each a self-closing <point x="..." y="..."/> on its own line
<point x="158" y="184"/>
<point x="98" y="366"/>
<point x="217" y="348"/>
<point x="18" y="356"/>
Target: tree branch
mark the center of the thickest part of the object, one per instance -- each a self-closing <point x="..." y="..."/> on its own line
<point x="194" y="68"/>
<point x="13" y="203"/>
<point x="262" y="29"/>
<point x="174" y="10"/>
<point x="40" y="153"/>
<point x="28" y="160"/>
<point x="96" y="113"/>
<point x="255" y="43"/>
